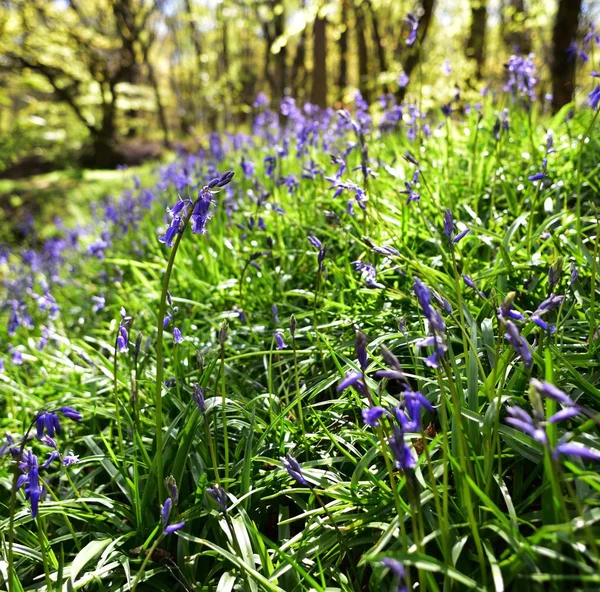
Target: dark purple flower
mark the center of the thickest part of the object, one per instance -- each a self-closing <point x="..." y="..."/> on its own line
<point x="198" y="397"/>
<point x="292" y="466"/>
<point x="52" y="456"/>
<point x="402" y="454"/>
<point x="360" y="347"/>
<point x="461" y="235"/>
<point x="219" y="495"/>
<point x="315" y="242"/>
<point x="550" y="391"/>
<point x="372" y="415"/>
<point x="173" y="528"/>
<point x="47" y="421"/>
<point x="518" y="343"/>
<point x="165" y="511"/>
<point x="71" y="413"/>
<point x="412" y="195"/>
<point x="537" y="177"/>
<point x="352" y="379"/>
<point x="448" y="224"/>
<point x="594" y="98"/>
<point x="413" y="22"/>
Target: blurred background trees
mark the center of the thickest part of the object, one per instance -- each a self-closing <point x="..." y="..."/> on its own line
<point x="112" y="80"/>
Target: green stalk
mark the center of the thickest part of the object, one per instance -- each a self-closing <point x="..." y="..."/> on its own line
<point x="160" y="355"/>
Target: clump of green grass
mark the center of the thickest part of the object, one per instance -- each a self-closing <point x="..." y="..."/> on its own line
<point x="458" y="499"/>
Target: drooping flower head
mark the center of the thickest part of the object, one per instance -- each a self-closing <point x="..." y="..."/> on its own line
<point x="292" y="466"/>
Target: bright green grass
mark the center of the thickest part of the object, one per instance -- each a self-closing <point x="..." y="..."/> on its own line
<point x="485" y="508"/>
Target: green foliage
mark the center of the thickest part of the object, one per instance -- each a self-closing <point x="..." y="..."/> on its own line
<point x="485" y="507"/>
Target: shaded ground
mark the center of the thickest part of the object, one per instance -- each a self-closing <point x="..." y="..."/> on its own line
<point x="66" y="193"/>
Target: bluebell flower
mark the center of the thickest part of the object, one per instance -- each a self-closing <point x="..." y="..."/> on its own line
<point x="360" y="348"/>
<point x="398" y="570"/>
<point x="52" y="456"/>
<point x="472" y="285"/>
<point x="198" y="397"/>
<point x="368" y="273"/>
<point x="70" y="459"/>
<point x="518" y="343"/>
<point x="448" y="224"/>
<point x="172" y="489"/>
<point x="280" y="343"/>
<point x="413" y="22"/>
<point x="506" y="310"/>
<point x="47" y="421"/>
<point x="403" y="458"/>
<point x="403" y="80"/>
<point x="292" y="466"/>
<point x="522" y="76"/>
<point x="31" y="481"/>
<point x="354" y="380"/>
<point x="177" y="337"/>
<point x="410" y="192"/>
<point x="575" y="52"/>
<point x="99" y="302"/>
<point x="594" y="98"/>
<point x="461" y="235"/>
<point x="522" y="421"/>
<point x="537" y="177"/>
<point x="575" y="449"/>
<point x="219" y="495"/>
<point x="372" y="415"/>
<point x="164" y="514"/>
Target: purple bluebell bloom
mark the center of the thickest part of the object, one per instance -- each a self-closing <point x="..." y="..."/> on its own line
<point x="403" y="80"/>
<point x="372" y="415"/>
<point x="280" y="343"/>
<point x="448" y="223"/>
<point x="398" y="570"/>
<point x="353" y="379"/>
<point x="219" y="495"/>
<point x="198" y="397"/>
<point x="594" y="98"/>
<point x="70" y="459"/>
<point x="403" y="458"/>
<point x="461" y="235"/>
<point x="537" y="177"/>
<point x="522" y="421"/>
<point x="518" y="343"/>
<point x="292" y="466"/>
<point x="575" y="449"/>
<point x="177" y="337"/>
<point x="413" y="22"/>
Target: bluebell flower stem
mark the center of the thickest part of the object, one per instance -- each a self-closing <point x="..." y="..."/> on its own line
<point x="224" y="415"/>
<point x="147" y="558"/>
<point x="116" y="400"/>
<point x="158" y="426"/>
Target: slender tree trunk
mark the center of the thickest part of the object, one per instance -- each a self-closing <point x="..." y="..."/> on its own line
<point x="563" y="67"/>
<point x="342" y="81"/>
<point x="298" y="74"/>
<point x="281" y="57"/>
<point x="194" y="34"/>
<point x="162" y="117"/>
<point x="377" y="41"/>
<point x="363" y="55"/>
<point x="476" y="41"/>
<point x="412" y="59"/>
<point x="318" y="95"/>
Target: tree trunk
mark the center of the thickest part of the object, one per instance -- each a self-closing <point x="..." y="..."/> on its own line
<point x="318" y="95"/>
<point x="363" y="55"/>
<point x="281" y="57"/>
<point x="162" y="117"/>
<point x="298" y="75"/>
<point x="476" y="41"/>
<point x="412" y="59"/>
<point x="342" y="80"/>
<point x="377" y="41"/>
<point x="563" y="67"/>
